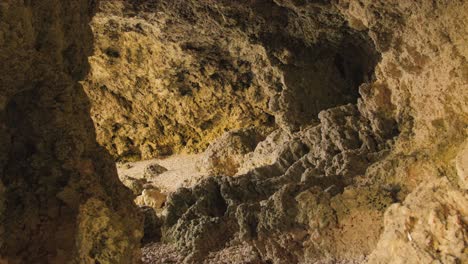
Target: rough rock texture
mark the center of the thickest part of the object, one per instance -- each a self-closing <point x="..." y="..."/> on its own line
<point x="429" y="226"/>
<point x="461" y="164"/>
<point x="300" y="201"/>
<point x="172" y="75"/>
<point x="151" y="197"/>
<point x="60" y="198"/>
<point x="135" y="185"/>
<point x="423" y="75"/>
<point x="266" y="152"/>
<point x="380" y="179"/>
<point x="226" y="154"/>
<point x="153" y="170"/>
<point x="401" y="149"/>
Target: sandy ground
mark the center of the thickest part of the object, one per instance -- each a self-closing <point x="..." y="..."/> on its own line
<point x="181" y="171"/>
<point x="159" y="253"/>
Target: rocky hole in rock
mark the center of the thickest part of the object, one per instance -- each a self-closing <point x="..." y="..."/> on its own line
<point x="275" y="71"/>
<point x="322" y="75"/>
<point x="260" y="131"/>
<point x="160" y="88"/>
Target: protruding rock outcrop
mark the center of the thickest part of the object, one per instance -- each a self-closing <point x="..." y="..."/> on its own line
<point x="60" y="198"/>
<point x="430" y="225"/>
<point x="296" y="208"/>
<point x="362" y="105"/>
<point x="171" y="76"/>
<point x="322" y="197"/>
<point x="225" y="155"/>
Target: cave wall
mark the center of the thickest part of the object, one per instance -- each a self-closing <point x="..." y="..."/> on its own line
<point x="391" y="166"/>
<point x="172" y="76"/>
<point x="161" y="84"/>
<point x="379" y="181"/>
<point x="422" y="83"/>
<point x="61" y="201"/>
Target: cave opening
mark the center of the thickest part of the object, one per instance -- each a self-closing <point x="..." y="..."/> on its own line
<point x="202" y="77"/>
<point x="238" y="130"/>
<point x="213" y="95"/>
<point x="198" y="102"/>
<point x="323" y="75"/>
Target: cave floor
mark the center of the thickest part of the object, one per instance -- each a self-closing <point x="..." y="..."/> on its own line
<point x="160" y="253"/>
<point x="181" y="171"/>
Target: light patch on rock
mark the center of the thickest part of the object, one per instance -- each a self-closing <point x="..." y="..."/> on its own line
<point x="430" y="226"/>
<point x="181" y="171"/>
<point x="225" y="155"/>
<point x="461" y="164"/>
<point x="152" y="198"/>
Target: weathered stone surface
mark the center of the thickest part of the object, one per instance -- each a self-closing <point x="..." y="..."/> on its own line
<point x="323" y="196"/>
<point x="178" y="91"/>
<point x="151" y="197"/>
<point x="429" y="226"/>
<point x="387" y="79"/>
<point x="105" y="235"/>
<point x="266" y="152"/>
<point x="461" y="164"/>
<point x="61" y="201"/>
<point x="153" y="170"/>
<point x="135" y="185"/>
<point x="268" y="205"/>
<point x="173" y="76"/>
<point x="225" y="155"/>
<point x="422" y="83"/>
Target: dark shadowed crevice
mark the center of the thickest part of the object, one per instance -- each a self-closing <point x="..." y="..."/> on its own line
<point x="54" y="178"/>
<point x="322" y="75"/>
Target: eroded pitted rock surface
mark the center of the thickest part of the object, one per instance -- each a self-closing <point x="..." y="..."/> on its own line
<point x="322" y="197"/>
<point x="302" y="200"/>
<point x="429" y="225"/>
<point x="226" y="154"/>
<point x="381" y="179"/>
<point x="172" y="76"/>
<point x="60" y="198"/>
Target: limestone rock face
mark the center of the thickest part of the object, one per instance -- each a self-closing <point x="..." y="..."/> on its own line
<point x="266" y="152"/>
<point x="160" y="88"/>
<point x="362" y="105"/>
<point x="226" y="154"/>
<point x="60" y="199"/>
<point x="423" y="76"/>
<point x="171" y="76"/>
<point x="295" y="201"/>
<point x="429" y="226"/>
<point x="399" y="151"/>
<point x="151" y="197"/>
